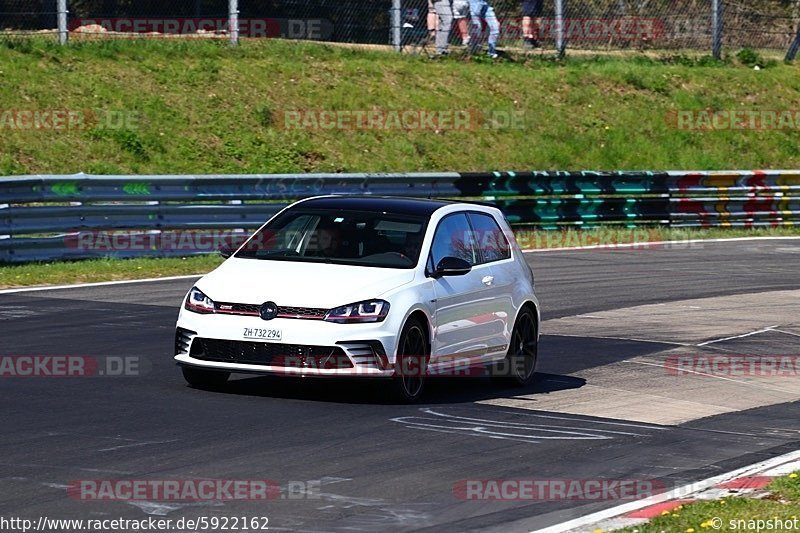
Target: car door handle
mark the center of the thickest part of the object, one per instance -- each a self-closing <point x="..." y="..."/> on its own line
<point x="487" y="280"/>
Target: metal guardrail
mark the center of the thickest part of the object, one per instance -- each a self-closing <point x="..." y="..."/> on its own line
<point x="82" y="216"/>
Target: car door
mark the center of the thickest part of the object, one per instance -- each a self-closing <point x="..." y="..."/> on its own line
<point x="495" y="257"/>
<point x="462" y="302"/>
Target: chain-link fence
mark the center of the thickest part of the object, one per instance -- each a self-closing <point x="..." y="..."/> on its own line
<point x="682" y="24"/>
<point x="705" y="26"/>
<point x="28" y="17"/>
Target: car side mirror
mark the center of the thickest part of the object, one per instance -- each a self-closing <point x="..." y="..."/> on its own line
<point x="452" y="266"/>
<point x="226" y="252"/>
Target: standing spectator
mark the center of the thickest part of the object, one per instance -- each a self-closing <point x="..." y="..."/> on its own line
<point x="444" y="22"/>
<point x="432" y="22"/>
<point x="531" y="23"/>
<point x="460" y="14"/>
<point x="480" y="12"/>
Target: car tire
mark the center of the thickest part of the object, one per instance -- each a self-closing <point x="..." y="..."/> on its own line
<point x="411" y="365"/>
<point x="201" y="378"/>
<point x="519" y="366"/>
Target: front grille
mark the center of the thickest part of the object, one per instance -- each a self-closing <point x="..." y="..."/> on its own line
<point x="236" y="309"/>
<point x="313" y="313"/>
<point x="301" y="312"/>
<point x="183" y="338"/>
<point x="270" y="354"/>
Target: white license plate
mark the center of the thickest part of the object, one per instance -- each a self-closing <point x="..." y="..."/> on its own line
<point x="262" y="334"/>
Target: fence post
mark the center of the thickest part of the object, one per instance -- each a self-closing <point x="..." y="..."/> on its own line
<point x="794" y="48"/>
<point x="397" y="25"/>
<point x="233" y="21"/>
<point x="716" y="29"/>
<point x="560" y="42"/>
<point x="63" y="34"/>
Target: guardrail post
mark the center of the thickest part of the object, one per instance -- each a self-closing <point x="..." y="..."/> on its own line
<point x="63" y="34"/>
<point x="795" y="47"/>
<point x="560" y="41"/>
<point x="4" y="206"/>
<point x="716" y="29"/>
<point x="233" y="21"/>
<point x="397" y="25"/>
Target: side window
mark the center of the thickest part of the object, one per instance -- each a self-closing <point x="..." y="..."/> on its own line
<point x="453" y="238"/>
<point x="489" y="237"/>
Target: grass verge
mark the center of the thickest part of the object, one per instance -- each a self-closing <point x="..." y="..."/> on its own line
<point x="64" y="273"/>
<point x="156" y="107"/>
<point x="89" y="271"/>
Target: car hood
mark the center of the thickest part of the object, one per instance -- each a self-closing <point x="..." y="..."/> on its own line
<point x="299" y="284"/>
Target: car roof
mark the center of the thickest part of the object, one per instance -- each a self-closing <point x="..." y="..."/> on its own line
<point x="394" y="204"/>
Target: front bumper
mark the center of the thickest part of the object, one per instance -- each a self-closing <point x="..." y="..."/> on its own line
<point x="306" y="348"/>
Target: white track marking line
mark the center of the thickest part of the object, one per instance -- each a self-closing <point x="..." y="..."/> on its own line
<point x="763" y="330"/>
<point x="758" y="385"/>
<point x="97" y="284"/>
<point x="783" y="470"/>
<point x="136" y="444"/>
<point x="787" y="332"/>
<point x="523" y="424"/>
<point x="589" y="419"/>
<point x="680" y="492"/>
<point x="482" y="426"/>
<point x="426" y="428"/>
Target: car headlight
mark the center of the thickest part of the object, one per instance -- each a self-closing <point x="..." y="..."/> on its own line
<point x="198" y="302"/>
<point x="366" y="311"/>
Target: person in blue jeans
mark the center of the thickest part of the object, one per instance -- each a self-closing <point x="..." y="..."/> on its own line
<point x="480" y="11"/>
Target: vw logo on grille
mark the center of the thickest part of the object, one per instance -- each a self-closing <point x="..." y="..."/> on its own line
<point x="268" y="310"/>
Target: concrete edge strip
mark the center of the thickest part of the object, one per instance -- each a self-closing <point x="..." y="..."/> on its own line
<point x="680" y="493"/>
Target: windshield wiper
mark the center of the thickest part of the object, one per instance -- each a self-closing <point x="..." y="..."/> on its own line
<point x="271" y="254"/>
<point x="284" y="255"/>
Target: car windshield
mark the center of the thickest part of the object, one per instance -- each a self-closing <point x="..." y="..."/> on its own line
<point x="341" y="237"/>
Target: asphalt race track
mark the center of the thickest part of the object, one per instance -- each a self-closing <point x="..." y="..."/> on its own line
<point x="605" y="406"/>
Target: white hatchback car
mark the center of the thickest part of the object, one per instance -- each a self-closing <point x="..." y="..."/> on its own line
<point x="366" y="286"/>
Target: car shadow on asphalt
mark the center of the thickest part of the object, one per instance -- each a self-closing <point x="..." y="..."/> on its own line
<point x="438" y="390"/>
<point x="560" y="358"/>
